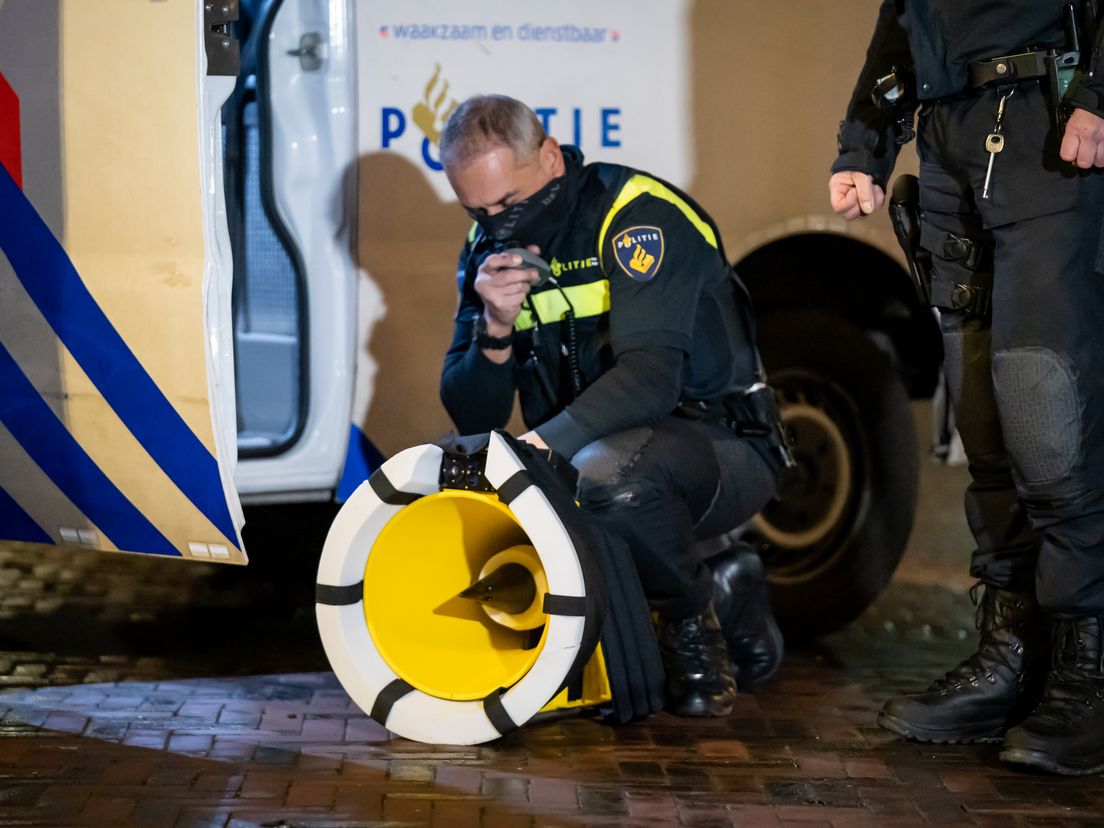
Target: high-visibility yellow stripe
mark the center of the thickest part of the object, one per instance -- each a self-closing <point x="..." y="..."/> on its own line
<point x="472" y="231"/>
<point x="640" y="185"/>
<point x="592" y="299"/>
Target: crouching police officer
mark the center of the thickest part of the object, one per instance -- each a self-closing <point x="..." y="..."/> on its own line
<point x="636" y="359"/>
<point x="1011" y="220"/>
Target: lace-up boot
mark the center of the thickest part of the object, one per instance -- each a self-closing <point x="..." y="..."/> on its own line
<point x="1065" y="733"/>
<point x="988" y="692"/>
<point x="695" y="659"/>
<point x="742" y="601"/>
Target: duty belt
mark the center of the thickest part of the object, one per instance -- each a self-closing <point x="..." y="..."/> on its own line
<point x="751" y="412"/>
<point x="996" y="71"/>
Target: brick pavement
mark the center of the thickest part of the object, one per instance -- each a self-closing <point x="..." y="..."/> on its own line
<point x="292" y="750"/>
<point x="143" y="693"/>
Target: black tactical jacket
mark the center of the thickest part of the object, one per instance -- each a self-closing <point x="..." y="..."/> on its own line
<point x="645" y="272"/>
<point x="938" y="39"/>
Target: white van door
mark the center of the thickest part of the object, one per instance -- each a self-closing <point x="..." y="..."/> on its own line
<point x="290" y="145"/>
<point x="116" y="375"/>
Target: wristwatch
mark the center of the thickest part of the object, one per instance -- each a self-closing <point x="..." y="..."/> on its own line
<point x="485" y="340"/>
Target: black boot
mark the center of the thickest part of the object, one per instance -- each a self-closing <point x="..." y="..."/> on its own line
<point x="988" y="692"/>
<point x="1065" y="733"/>
<point x="742" y="602"/>
<point x="695" y="659"/>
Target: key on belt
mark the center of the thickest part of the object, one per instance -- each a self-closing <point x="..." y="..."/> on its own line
<point x="994" y="144"/>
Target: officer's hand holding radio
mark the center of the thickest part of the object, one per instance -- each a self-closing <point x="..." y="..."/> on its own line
<point x="503" y="285"/>
<point x="1083" y="142"/>
<point x="854" y="194"/>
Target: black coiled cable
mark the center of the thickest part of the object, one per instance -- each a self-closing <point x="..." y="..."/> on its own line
<point x="572" y="342"/>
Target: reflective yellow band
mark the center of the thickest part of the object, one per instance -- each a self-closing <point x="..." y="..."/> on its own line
<point x="472" y="231"/>
<point x="640" y="185"/>
<point x="591" y="299"/>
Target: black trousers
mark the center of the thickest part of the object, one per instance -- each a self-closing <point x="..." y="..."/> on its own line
<point x="663" y="487"/>
<point x="1027" y="378"/>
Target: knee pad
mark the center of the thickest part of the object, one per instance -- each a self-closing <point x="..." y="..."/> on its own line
<point x="605" y="462"/>
<point x="648" y="467"/>
<point x="1040" y="412"/>
<point x="618" y="497"/>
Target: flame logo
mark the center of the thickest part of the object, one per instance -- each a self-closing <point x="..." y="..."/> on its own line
<point x="435" y="107"/>
<point x="642" y="260"/>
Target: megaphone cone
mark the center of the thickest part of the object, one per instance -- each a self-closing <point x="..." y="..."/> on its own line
<point x="463" y="669"/>
<point x="515" y="583"/>
<point x="510" y="589"/>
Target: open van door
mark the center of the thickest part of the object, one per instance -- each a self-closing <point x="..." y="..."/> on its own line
<point x="117" y="422"/>
<point x="290" y="147"/>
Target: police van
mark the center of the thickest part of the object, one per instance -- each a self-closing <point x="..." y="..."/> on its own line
<point x="229" y="252"/>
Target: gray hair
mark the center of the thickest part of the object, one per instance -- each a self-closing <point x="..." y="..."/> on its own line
<point x="484" y="122"/>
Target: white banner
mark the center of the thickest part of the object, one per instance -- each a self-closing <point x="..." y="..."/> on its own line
<point x="610" y="77"/>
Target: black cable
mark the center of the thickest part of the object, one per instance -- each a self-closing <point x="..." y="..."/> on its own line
<point x="549" y="392"/>
<point x="572" y="341"/>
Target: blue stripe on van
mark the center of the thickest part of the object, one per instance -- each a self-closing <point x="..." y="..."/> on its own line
<point x="48" y="275"/>
<point x="361" y="459"/>
<point x="17" y="525"/>
<point x="48" y="442"/>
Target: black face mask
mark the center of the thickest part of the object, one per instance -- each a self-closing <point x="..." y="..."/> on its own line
<point x="533" y="220"/>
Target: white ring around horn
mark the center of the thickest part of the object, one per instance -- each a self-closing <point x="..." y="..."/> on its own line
<point x="345" y="552"/>
<point x="353" y="654"/>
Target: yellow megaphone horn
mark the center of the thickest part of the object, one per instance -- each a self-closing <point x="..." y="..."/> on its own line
<point x="454" y="600"/>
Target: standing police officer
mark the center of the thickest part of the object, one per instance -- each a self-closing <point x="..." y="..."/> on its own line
<point x="636" y="360"/>
<point x="1012" y="211"/>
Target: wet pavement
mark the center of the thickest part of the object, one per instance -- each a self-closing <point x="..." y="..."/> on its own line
<point x="154" y="693"/>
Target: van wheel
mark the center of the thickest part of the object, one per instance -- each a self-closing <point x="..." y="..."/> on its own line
<point x="833" y="537"/>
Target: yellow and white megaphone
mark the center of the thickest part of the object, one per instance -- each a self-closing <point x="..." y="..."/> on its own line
<point x="458" y="594"/>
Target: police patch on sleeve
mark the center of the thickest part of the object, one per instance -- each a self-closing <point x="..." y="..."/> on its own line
<point x="639" y="252"/>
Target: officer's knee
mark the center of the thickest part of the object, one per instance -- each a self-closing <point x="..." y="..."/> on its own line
<point x="1040" y="413"/>
<point x="631" y="493"/>
<point x="607" y="461"/>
